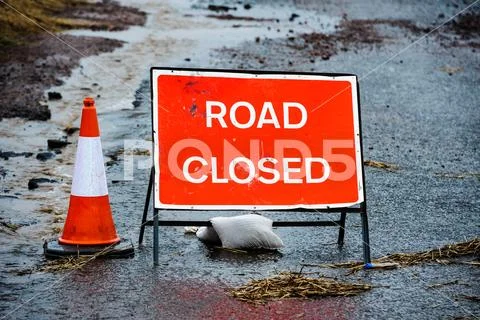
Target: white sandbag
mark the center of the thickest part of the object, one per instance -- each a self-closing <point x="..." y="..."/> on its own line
<point x="249" y="231"/>
<point x="208" y="234"/>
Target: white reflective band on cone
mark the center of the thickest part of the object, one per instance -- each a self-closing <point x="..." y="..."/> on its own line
<point x="89" y="178"/>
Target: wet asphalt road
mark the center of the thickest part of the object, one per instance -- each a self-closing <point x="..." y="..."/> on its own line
<point x="414" y="115"/>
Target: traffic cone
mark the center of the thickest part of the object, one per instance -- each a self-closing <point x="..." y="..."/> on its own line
<point x="89" y="226"/>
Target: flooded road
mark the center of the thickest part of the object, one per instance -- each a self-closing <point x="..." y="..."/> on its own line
<point x="419" y="112"/>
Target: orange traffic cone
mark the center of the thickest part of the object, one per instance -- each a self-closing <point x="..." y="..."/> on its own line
<point x="89" y="219"/>
<point x="89" y="222"/>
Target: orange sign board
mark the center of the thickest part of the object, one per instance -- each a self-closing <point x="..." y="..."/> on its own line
<point x="249" y="140"/>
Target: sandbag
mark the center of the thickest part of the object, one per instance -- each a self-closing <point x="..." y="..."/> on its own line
<point x="208" y="234"/>
<point x="249" y="231"/>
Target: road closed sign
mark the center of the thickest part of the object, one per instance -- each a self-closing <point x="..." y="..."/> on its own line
<point x="251" y="140"/>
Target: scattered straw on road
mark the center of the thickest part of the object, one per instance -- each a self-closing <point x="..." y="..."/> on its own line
<point x="63" y="264"/>
<point x="443" y="255"/>
<point x="381" y="165"/>
<point x="295" y="285"/>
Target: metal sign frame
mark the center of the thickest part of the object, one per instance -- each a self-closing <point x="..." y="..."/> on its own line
<point x="360" y="208"/>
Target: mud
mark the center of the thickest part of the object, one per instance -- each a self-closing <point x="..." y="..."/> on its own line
<point x="25" y="76"/>
<point x="467" y="25"/>
<point x="357" y="34"/>
<point x="108" y="15"/>
<point x="464" y="31"/>
<point x="350" y="35"/>
<point x="27" y="70"/>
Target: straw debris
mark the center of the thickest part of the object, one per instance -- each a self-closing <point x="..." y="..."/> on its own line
<point x="58" y="265"/>
<point x="67" y="263"/>
<point x="295" y="285"/>
<point x="381" y="165"/>
<point x="463" y="175"/>
<point x="443" y="255"/>
<point x="442" y="284"/>
<point x="56" y="230"/>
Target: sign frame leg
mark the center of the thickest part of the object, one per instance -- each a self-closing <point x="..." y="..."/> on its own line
<point x="155" y="237"/>
<point x="365" y="234"/>
<point x="146" y="207"/>
<point x="341" y="231"/>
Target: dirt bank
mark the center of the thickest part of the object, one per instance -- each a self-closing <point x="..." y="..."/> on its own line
<point x="37" y="59"/>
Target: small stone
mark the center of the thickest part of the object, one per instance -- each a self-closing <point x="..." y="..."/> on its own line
<point x="293" y="17"/>
<point x="219" y="8"/>
<point x="71" y="130"/>
<point x="10" y="154"/>
<point x="44" y="156"/>
<point x="34" y="183"/>
<point x="56" y="144"/>
<point x="52" y="95"/>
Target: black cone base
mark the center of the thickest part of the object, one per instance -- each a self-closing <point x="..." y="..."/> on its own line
<point x="122" y="249"/>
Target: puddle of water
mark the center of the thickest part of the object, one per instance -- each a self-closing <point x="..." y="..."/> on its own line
<point x="131" y="35"/>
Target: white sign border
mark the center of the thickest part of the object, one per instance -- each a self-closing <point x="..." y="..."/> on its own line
<point x="156" y="72"/>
